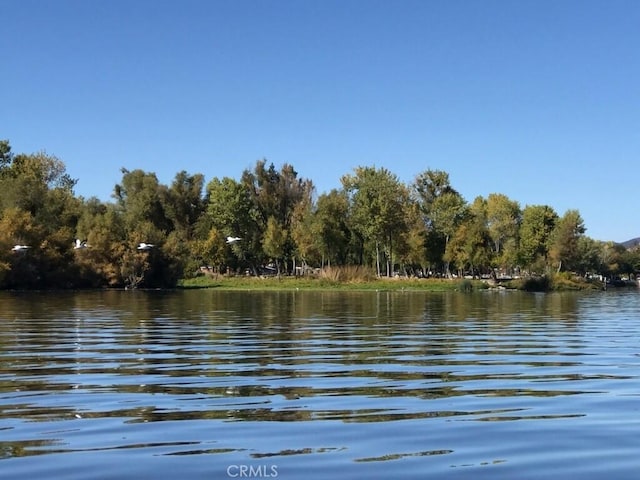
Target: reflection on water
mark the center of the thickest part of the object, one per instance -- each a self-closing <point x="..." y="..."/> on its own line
<point x="345" y="384"/>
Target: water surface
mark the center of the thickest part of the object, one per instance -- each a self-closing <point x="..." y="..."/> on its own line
<point x="318" y="385"/>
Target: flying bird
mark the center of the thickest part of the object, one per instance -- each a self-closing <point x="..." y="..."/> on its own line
<point x="233" y="239"/>
<point x="80" y="244"/>
<point x="20" y="248"/>
<point x="145" y="246"/>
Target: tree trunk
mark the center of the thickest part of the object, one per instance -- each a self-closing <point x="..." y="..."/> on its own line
<point x="390" y="259"/>
<point x="447" y="272"/>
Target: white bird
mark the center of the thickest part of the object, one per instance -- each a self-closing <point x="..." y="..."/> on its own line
<point x="20" y="248"/>
<point x="80" y="244"/>
<point x="145" y="246"/>
<point x="233" y="239"/>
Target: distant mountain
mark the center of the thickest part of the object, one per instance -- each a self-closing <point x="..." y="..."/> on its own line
<point x="631" y="243"/>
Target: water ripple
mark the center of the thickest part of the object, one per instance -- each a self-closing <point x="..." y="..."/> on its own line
<point x="332" y="380"/>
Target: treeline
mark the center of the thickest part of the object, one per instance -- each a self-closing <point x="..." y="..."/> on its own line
<point x="375" y="220"/>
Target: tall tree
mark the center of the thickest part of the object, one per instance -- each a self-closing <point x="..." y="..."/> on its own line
<point x="413" y="240"/>
<point x="275" y="238"/>
<point x="429" y="185"/>
<point x="538" y="222"/>
<point x="27" y="180"/>
<point x="469" y="247"/>
<point x="275" y="194"/>
<point x="231" y="211"/>
<point x="5" y="155"/>
<point x="20" y="269"/>
<point x="331" y="225"/>
<point x="589" y="256"/>
<point x="304" y="233"/>
<point x="443" y="209"/>
<point x="213" y="250"/>
<point x="503" y="222"/>
<point x="564" y="249"/>
<point x="184" y="203"/>
<point x="377" y="205"/>
<point x="102" y="226"/>
<point x="142" y="199"/>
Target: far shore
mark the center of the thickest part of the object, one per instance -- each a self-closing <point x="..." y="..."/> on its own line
<point x="550" y="283"/>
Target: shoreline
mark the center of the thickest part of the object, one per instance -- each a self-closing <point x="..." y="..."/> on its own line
<point x="534" y="284"/>
<point x="553" y="283"/>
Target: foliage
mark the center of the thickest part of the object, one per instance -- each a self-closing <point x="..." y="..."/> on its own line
<point x="347" y="274"/>
<point x="564" y="241"/>
<point x="367" y="282"/>
<point x="377" y="199"/>
<point x="503" y="223"/>
<point x="469" y="248"/>
<point x="532" y="284"/>
<point x="443" y="210"/>
<point x="331" y="226"/>
<point x="538" y="222"/>
<point x="374" y="226"/>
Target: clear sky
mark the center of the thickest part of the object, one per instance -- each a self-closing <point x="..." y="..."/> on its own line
<point x="536" y="99"/>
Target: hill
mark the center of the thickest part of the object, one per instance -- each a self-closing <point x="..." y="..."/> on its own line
<point x="631" y="243"/>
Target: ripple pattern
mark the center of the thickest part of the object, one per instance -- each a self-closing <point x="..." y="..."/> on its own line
<point x="313" y="385"/>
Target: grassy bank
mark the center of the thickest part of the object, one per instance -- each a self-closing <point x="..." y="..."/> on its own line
<point x="554" y="282"/>
<point x="306" y="283"/>
<point x="557" y="282"/>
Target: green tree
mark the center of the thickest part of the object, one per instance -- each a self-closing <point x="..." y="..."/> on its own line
<point x="616" y="260"/>
<point x="331" y="225"/>
<point x="566" y="234"/>
<point x="443" y="210"/>
<point x="275" y="238"/>
<point x="377" y="201"/>
<point x="275" y="194"/>
<point x="304" y="232"/>
<point x="214" y="250"/>
<point x="413" y="240"/>
<point x="142" y="199"/>
<point x="538" y="222"/>
<point x="5" y="155"/>
<point x="184" y="203"/>
<point x="231" y="212"/>
<point x="588" y="256"/>
<point x="429" y="185"/>
<point x="20" y="269"/>
<point x="469" y="247"/>
<point x="447" y="213"/>
<point x="634" y="260"/>
<point x="38" y="185"/>
<point x="102" y="226"/>
<point x="27" y="181"/>
<point x="503" y="223"/>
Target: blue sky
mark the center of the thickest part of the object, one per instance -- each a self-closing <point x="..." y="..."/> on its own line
<point x="539" y="100"/>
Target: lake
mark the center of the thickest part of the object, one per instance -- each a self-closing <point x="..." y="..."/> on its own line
<point x="207" y="384"/>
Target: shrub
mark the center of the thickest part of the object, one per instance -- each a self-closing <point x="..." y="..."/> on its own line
<point x="465" y="285"/>
<point x="348" y="273"/>
<point x="531" y="284"/>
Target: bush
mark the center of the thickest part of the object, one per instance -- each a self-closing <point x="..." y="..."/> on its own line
<point x="349" y="273"/>
<point x="531" y="284"/>
<point x="465" y="285"/>
<point x="571" y="281"/>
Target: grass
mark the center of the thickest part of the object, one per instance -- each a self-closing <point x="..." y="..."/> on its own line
<point x="308" y="283"/>
<point x="563" y="281"/>
<point x="361" y="278"/>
